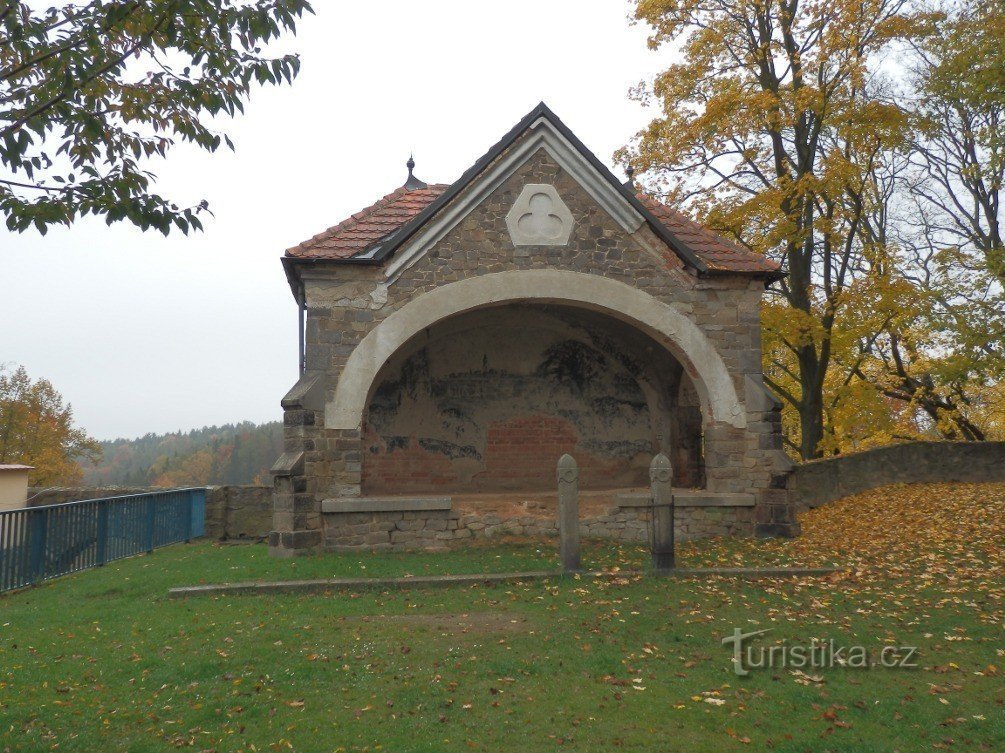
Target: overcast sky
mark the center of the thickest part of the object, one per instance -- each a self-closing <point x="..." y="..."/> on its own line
<point x="146" y="334"/>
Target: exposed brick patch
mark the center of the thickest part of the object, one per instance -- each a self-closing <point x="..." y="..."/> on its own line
<point x="521" y="453"/>
<point x="403" y="466"/>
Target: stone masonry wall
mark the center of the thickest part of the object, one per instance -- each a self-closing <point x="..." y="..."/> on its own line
<point x="441" y="529"/>
<point x="341" y="313"/>
<point x="238" y="512"/>
<point x="820" y="481"/>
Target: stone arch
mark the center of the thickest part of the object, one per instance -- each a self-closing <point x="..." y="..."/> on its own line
<point x="666" y="325"/>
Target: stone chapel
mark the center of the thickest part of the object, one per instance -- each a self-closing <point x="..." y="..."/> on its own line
<point x="457" y="339"/>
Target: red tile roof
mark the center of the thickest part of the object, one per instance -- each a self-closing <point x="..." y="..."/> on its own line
<point x="363" y="229"/>
<point x="717" y="252"/>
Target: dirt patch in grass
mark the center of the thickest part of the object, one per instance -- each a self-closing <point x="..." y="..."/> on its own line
<point x="473" y="623"/>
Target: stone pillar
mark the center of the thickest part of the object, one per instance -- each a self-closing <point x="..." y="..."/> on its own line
<point x="775" y="514"/>
<point x="725" y="453"/>
<point x="661" y="478"/>
<point x="568" y="513"/>
<point x="296" y="506"/>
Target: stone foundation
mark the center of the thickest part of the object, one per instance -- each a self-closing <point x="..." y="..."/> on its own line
<point x="703" y="515"/>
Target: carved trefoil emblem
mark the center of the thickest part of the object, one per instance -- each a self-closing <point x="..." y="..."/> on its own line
<point x="539" y="217"/>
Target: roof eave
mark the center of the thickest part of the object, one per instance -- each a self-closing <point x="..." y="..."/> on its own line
<point x="293" y="274"/>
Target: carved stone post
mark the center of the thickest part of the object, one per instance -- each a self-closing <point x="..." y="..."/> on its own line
<point x="660" y="478"/>
<point x="568" y="513"/>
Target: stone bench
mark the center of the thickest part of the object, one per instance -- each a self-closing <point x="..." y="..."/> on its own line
<point x="690" y="498"/>
<point x="385" y="504"/>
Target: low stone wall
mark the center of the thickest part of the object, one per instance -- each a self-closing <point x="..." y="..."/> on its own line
<point x="441" y="529"/>
<point x="232" y="512"/>
<point x="238" y="512"/>
<point x="820" y="481"/>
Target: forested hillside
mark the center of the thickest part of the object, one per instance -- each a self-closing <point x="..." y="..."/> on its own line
<point x="230" y="454"/>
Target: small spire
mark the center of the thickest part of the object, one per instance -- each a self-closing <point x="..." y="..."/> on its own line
<point x="630" y="172"/>
<point x="412" y="183"/>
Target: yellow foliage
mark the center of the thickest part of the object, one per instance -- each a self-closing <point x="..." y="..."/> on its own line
<point x="36" y="429"/>
<point x="778" y="129"/>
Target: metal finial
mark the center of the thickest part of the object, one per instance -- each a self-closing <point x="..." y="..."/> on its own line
<point x="630" y="172"/>
<point x="412" y="183"/>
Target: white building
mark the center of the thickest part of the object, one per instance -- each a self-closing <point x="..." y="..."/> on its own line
<point x="13" y="486"/>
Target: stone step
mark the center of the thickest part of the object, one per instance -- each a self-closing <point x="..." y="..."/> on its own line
<point x="426" y="581"/>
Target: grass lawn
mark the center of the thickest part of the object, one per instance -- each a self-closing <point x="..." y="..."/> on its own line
<point x="103" y="661"/>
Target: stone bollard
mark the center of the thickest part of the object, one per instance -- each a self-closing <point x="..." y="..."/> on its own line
<point x="568" y="513"/>
<point x="660" y="478"/>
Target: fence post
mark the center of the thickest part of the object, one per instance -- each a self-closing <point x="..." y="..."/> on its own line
<point x="197" y="521"/>
<point x="660" y="478"/>
<point x="568" y="513"/>
<point x="189" y="502"/>
<point x="151" y="523"/>
<point x="38" y="531"/>
<point x="102" y="541"/>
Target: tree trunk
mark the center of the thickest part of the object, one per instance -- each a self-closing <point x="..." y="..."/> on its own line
<point x="811" y="404"/>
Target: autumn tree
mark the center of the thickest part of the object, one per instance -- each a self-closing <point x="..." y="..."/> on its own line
<point x="91" y="91"/>
<point x="772" y="129"/>
<point x="943" y="354"/>
<point x="959" y="152"/>
<point x="230" y="454"/>
<point x="36" y="429"/>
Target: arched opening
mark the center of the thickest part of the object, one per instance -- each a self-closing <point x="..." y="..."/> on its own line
<point x="487" y="400"/>
<point x="676" y="332"/>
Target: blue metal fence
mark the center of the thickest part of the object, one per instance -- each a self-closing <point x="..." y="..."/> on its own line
<point x="37" y="543"/>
